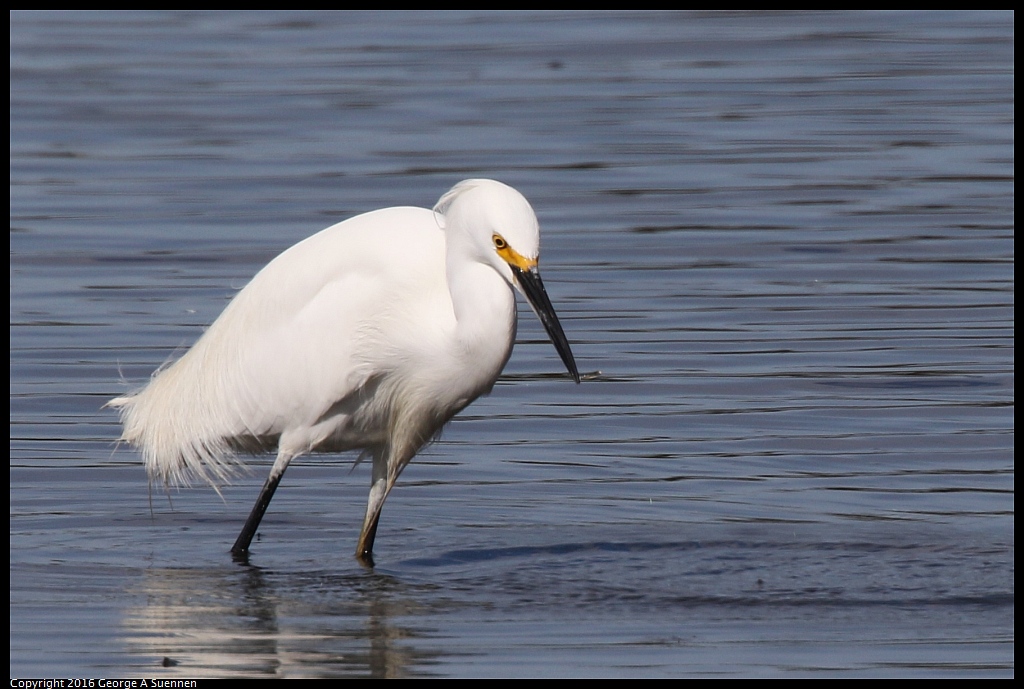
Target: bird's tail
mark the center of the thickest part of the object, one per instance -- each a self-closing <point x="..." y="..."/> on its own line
<point x="176" y="439"/>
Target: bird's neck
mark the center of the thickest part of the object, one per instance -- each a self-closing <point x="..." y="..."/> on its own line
<point x="485" y="314"/>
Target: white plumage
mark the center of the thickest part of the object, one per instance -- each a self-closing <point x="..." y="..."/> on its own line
<point x="369" y="335"/>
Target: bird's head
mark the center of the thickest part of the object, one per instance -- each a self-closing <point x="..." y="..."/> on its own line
<point x="493" y="224"/>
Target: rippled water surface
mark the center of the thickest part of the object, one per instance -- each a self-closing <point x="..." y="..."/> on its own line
<point x="784" y="241"/>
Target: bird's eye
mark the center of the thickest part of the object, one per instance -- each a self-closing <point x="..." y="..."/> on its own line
<point x="499" y="242"/>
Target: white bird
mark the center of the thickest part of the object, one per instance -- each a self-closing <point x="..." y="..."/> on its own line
<point x="369" y="335"/>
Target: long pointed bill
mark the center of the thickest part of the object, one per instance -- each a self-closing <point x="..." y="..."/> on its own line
<point x="533" y="289"/>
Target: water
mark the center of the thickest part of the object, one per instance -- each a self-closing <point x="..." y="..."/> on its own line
<point x="785" y="241"/>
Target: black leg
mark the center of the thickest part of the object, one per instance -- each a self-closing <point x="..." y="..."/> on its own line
<point x="256" y="516"/>
<point x="364" y="549"/>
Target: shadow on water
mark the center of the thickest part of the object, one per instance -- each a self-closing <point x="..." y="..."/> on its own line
<point x="459" y="557"/>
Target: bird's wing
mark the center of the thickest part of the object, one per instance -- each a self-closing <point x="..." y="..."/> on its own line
<point x="299" y="338"/>
<point x="316" y="324"/>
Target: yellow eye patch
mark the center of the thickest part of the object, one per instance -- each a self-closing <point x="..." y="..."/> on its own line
<point x="511" y="256"/>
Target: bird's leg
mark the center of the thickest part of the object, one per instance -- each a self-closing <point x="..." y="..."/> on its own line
<point x="379" y="490"/>
<point x="260" y="508"/>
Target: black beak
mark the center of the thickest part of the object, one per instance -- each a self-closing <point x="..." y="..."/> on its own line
<point x="530" y="283"/>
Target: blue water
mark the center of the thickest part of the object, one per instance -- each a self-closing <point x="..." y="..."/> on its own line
<point x="784" y="240"/>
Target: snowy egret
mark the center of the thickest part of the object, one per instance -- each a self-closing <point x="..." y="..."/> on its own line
<point x="369" y="335"/>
